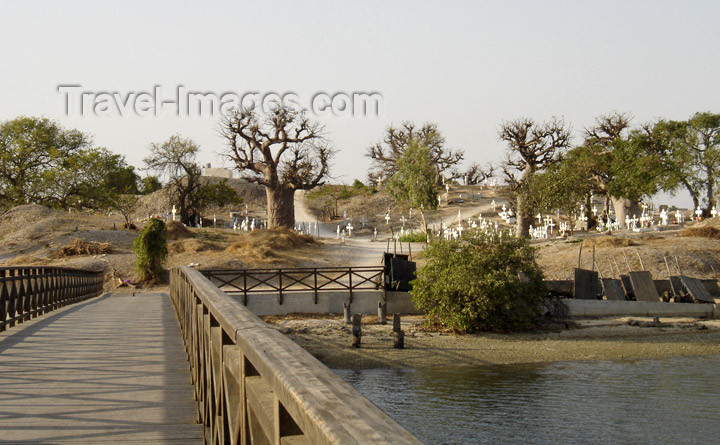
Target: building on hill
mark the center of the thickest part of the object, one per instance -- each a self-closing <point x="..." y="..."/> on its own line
<point x="217" y="172"/>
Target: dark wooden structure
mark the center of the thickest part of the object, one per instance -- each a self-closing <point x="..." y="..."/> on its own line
<point x="696" y="289"/>
<point x="282" y="281"/>
<point x="586" y="285"/>
<point x="643" y="286"/>
<point x="30" y="291"/>
<point x="612" y="289"/>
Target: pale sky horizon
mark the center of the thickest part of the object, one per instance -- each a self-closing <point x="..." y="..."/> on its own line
<point x="466" y="66"/>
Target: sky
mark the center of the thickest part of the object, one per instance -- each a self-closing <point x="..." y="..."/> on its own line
<point x="467" y="66"/>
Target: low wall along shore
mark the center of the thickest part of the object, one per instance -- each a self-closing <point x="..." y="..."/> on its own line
<point x="366" y="302"/>
<point x="607" y="308"/>
<point x="330" y="302"/>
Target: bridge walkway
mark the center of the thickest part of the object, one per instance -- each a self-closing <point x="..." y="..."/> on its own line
<point x="109" y="369"/>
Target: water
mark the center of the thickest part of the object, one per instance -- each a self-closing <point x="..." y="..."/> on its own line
<point x="668" y="401"/>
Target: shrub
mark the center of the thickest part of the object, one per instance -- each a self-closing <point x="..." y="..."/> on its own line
<point x="414" y="237"/>
<point x="151" y="251"/>
<point x="481" y="282"/>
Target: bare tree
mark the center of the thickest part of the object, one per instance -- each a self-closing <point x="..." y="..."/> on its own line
<point x="385" y="154"/>
<point x="531" y="146"/>
<point x="175" y="158"/>
<point x="283" y="150"/>
<point x="475" y="173"/>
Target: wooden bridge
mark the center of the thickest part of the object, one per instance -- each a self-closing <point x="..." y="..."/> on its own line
<point x="77" y="366"/>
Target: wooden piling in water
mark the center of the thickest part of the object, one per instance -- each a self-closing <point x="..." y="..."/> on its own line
<point x="398" y="334"/>
<point x="356" y="330"/>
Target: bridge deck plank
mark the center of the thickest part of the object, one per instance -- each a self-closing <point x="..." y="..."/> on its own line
<point x="111" y="368"/>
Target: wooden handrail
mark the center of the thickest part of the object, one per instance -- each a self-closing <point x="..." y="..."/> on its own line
<point x="254" y="385"/>
<point x="30" y="291"/>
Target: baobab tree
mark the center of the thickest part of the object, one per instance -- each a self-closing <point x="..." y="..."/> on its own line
<point x="531" y="146"/>
<point x="282" y="150"/>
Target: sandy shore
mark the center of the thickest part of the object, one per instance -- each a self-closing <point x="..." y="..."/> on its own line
<point x="329" y="339"/>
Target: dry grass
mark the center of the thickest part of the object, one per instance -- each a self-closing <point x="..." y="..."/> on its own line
<point x="702" y="232"/>
<point x="191" y="246"/>
<point x="81" y="247"/>
<point x="176" y="230"/>
<point x="266" y="245"/>
<point x="608" y="241"/>
<point x="26" y="260"/>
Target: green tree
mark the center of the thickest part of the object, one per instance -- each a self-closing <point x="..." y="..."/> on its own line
<point x="150" y="184"/>
<point x="480" y="282"/>
<point x="30" y="147"/>
<point x="151" y="252"/>
<point x="386" y="154"/>
<point x="695" y="149"/>
<point x="414" y="184"/>
<point x="89" y="178"/>
<point x="562" y="186"/>
<point x="125" y="204"/>
<point x="218" y="195"/>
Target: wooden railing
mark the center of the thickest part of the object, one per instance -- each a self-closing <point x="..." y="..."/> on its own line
<point x="281" y="281"/>
<point x="26" y="292"/>
<point x="255" y="386"/>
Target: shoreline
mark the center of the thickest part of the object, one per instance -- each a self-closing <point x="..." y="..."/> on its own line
<point x="328" y="339"/>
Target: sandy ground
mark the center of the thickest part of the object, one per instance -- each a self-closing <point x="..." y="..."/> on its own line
<point x="329" y="340"/>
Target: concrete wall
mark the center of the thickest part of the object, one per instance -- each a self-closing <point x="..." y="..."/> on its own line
<point x="364" y="302"/>
<point x="605" y="308"/>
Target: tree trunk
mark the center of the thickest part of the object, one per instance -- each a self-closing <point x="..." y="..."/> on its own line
<point x="693" y="195"/>
<point x="606" y="210"/>
<point x="710" y="193"/>
<point x="522" y="225"/>
<point x="280" y="207"/>
<point x="424" y="226"/>
<point x="624" y="207"/>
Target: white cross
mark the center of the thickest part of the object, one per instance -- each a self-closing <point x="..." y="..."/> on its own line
<point x="387" y="218"/>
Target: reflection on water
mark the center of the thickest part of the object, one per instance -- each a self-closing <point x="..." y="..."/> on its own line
<point x="649" y="401"/>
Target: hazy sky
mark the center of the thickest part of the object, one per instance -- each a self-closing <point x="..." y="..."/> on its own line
<point x="465" y="65"/>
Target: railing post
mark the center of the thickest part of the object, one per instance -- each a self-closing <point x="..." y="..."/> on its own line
<point x="23" y="296"/>
<point x="351" y="286"/>
<point x="3" y="300"/>
<point x="315" y="287"/>
<point x="245" y="290"/>
<point x="32" y="291"/>
<point x="13" y="297"/>
<point x="280" y="296"/>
